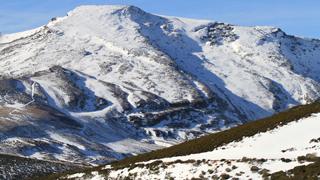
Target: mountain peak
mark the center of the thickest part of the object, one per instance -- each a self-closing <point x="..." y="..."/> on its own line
<point x="106" y="9"/>
<point x="97" y="20"/>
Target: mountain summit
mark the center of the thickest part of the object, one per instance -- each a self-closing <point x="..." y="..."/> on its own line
<point x="106" y="82"/>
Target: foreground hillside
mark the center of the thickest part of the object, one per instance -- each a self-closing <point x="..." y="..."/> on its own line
<point x="13" y="167"/>
<point x="283" y="145"/>
<point x="107" y="82"/>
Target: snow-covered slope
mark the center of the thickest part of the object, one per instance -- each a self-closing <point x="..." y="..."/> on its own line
<point x="134" y="82"/>
<point x="255" y="157"/>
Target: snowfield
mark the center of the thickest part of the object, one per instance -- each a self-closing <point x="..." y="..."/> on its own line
<point x="289" y="141"/>
<point x="107" y="82"/>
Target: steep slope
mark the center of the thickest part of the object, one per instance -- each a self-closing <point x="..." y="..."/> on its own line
<point x="130" y="82"/>
<point x="269" y="149"/>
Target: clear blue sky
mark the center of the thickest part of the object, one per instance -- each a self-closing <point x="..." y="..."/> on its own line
<point x="298" y="17"/>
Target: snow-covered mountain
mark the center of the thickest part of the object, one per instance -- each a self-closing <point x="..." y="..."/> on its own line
<point x="105" y="82"/>
<point x="282" y="147"/>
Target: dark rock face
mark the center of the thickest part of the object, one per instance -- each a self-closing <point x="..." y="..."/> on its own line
<point x="218" y="33"/>
<point x="12" y="90"/>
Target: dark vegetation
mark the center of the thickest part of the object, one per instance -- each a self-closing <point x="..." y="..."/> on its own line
<point x="306" y="172"/>
<point x="13" y="167"/>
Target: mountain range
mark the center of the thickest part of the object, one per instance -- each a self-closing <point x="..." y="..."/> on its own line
<point x="108" y="82"/>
